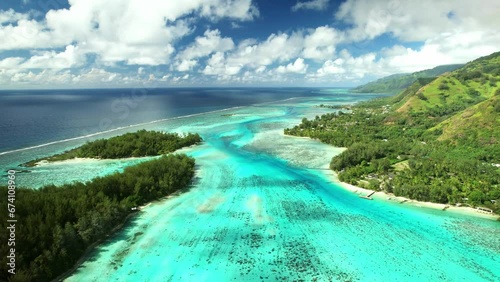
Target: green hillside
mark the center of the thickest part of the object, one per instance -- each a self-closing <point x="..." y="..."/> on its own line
<point x="475" y="82"/>
<point x="465" y="102"/>
<point x="437" y="140"/>
<point x="398" y="82"/>
<point x="479" y="123"/>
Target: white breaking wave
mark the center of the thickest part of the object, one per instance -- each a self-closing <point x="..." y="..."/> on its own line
<point x="114" y="129"/>
<point x="136" y="125"/>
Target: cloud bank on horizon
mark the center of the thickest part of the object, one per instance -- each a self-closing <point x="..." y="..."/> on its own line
<point x="129" y="43"/>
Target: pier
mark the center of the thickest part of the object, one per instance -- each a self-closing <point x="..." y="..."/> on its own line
<point x="368" y="197"/>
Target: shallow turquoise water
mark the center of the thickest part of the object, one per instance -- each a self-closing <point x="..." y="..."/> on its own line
<point x="263" y="209"/>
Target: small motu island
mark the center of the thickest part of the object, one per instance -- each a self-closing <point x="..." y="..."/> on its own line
<point x="142" y="143"/>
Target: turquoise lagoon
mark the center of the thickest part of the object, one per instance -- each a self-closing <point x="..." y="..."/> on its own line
<point x="263" y="207"/>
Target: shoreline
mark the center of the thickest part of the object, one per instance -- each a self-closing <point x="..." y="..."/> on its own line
<point x="78" y="160"/>
<point x="67" y="161"/>
<point x="88" y="251"/>
<point x="389" y="197"/>
<point x="114" y="231"/>
<point x="81" y="161"/>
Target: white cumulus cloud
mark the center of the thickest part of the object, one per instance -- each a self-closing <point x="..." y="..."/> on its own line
<point x="296" y="67"/>
<point x="417" y="20"/>
<point x="311" y="5"/>
<point x="140" y="32"/>
<point x="207" y="44"/>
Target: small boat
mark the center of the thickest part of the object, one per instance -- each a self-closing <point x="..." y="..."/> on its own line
<point x="368" y="197"/>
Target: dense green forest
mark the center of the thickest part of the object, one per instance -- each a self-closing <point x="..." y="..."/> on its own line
<point x="398" y="82"/>
<point x="138" y="144"/>
<point x="57" y="224"/>
<point x="438" y="140"/>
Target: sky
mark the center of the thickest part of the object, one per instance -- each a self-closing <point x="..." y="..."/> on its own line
<point x="183" y="43"/>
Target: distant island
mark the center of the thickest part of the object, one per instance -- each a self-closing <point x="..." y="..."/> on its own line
<point x="437" y="140"/>
<point x="142" y="143"/>
<point x="398" y="82"/>
<point x="62" y="223"/>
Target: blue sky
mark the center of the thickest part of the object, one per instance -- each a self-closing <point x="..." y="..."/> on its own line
<point x="170" y="43"/>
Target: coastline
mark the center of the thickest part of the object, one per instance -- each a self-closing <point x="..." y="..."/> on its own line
<point x="68" y="161"/>
<point x="88" y="251"/>
<point x="132" y="214"/>
<point x="391" y="198"/>
<point x="78" y="160"/>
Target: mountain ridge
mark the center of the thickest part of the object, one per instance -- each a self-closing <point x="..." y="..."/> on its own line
<point x="397" y="82"/>
<point x="437" y="140"/>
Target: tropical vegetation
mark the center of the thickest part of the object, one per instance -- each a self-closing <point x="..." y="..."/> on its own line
<point x="137" y="144"/>
<point x="56" y="225"/>
<point x="438" y="140"/>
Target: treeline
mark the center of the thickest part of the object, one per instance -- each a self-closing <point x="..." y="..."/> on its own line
<point x="138" y="144"/>
<point x="56" y="224"/>
<point x="400" y="154"/>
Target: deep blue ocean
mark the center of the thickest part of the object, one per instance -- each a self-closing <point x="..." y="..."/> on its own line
<point x="34" y="117"/>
